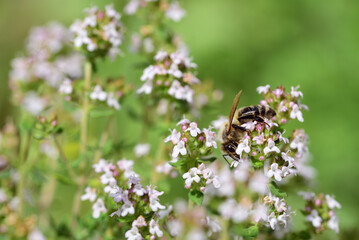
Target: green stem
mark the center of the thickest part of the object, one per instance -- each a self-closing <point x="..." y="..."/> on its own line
<point x="103" y="139"/>
<point x="85" y="109"/>
<point x="225" y="231"/>
<point x="24" y="153"/>
<point x="83" y="145"/>
<point x="47" y="194"/>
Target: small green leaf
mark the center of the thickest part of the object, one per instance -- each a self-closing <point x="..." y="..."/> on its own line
<point x="304" y="235"/>
<point x="250" y="232"/>
<point x="64" y="179"/>
<point x="196" y="196"/>
<point x="275" y="190"/>
<point x="177" y="164"/>
<point x="127" y="218"/>
<point x="210" y="159"/>
<point x="258" y="164"/>
<point x="38" y="134"/>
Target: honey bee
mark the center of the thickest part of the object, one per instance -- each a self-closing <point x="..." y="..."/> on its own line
<point x="232" y="132"/>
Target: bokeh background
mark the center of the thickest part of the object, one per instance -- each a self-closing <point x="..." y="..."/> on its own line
<point x="242" y="45"/>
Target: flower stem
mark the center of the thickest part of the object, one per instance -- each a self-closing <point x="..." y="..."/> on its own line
<point x="24" y="153"/>
<point x="85" y="109"/>
<point x="83" y="145"/>
<point x="47" y="194"/>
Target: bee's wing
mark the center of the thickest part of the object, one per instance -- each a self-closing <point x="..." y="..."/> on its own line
<point x="233" y="110"/>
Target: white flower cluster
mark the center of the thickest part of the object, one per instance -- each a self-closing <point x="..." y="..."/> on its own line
<point x="263" y="143"/>
<point x="241" y="212"/>
<point x="102" y="96"/>
<point x="173" y="11"/>
<point x="172" y="75"/>
<point x="127" y="197"/>
<point x="190" y="130"/>
<point x="288" y="105"/>
<point x="192" y="223"/>
<point x="48" y="40"/>
<point x="99" y="33"/>
<point x="280" y="214"/>
<point x="45" y="60"/>
<point x="299" y="144"/>
<point x="320" y="211"/>
<point x="201" y="175"/>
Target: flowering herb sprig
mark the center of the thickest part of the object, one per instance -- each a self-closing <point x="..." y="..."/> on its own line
<point x="122" y="193"/>
<point x="48" y="60"/>
<point x="264" y="143"/>
<point x="320" y="211"/>
<point x="192" y="223"/>
<point x="171" y="77"/>
<point x="279" y="214"/>
<point x="192" y="147"/>
<point x="288" y="105"/>
<point x="99" y="34"/>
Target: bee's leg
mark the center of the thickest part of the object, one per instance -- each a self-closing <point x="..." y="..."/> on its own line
<point x="235" y="126"/>
<point x="224" y="156"/>
<point x="261" y="120"/>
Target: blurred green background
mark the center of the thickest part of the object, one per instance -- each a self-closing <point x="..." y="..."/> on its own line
<point x="245" y="44"/>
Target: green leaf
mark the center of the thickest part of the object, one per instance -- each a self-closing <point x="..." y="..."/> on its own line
<point x="304" y="235"/>
<point x="39" y="134"/>
<point x="96" y="113"/>
<point x="210" y="159"/>
<point x="275" y="190"/>
<point x="177" y="164"/>
<point x="127" y="218"/>
<point x="258" y="164"/>
<point x="250" y="232"/>
<point x="64" y="179"/>
<point x="196" y="196"/>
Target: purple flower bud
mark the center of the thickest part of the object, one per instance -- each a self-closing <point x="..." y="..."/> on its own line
<point x="202" y="189"/>
<point x="271" y="100"/>
<point x="100" y="15"/>
<point x="263" y="102"/>
<point x="187" y="187"/>
<point x="318" y="202"/>
<point x="254" y="153"/>
<point x="261" y="158"/>
<point x="291" y="104"/>
<point x="307" y="209"/>
<point x="153" y="237"/>
<point x="259" y="128"/>
<point x="167" y="83"/>
<point x="201" y="138"/>
<point x="167" y="63"/>
<point x="331" y="213"/>
<point x="274" y="118"/>
<point x="119" y="94"/>
<point x="283" y="120"/>
<point x="112" y="167"/>
<point x="183" y="127"/>
<point x="54" y="123"/>
<point x="115" y="173"/>
<point x="158" y="82"/>
<point x="42" y="119"/>
<point x="184" y="139"/>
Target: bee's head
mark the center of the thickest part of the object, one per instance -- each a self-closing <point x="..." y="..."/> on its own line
<point x="223" y="132"/>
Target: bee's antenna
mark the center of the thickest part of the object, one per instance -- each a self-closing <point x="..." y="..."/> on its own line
<point x="233" y="110"/>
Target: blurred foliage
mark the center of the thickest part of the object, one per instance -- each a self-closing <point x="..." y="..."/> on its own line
<point x="241" y="45"/>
